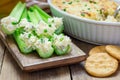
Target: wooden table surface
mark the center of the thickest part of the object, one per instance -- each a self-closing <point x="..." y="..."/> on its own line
<point x="9" y="69"/>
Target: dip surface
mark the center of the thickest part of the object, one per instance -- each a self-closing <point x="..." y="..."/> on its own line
<point x="100" y="10"/>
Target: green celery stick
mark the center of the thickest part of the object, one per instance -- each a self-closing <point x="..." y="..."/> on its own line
<point x="45" y="17"/>
<point x="62" y="51"/>
<point x="33" y="18"/>
<point x="21" y="44"/>
<point x="18" y="10"/>
<point x="15" y="9"/>
<point x="59" y="30"/>
<point x="31" y="8"/>
<point x="37" y="15"/>
<point x="46" y="54"/>
<point x="24" y="14"/>
<point x="16" y="13"/>
<point x="43" y="14"/>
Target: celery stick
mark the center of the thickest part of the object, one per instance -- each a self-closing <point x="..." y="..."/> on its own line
<point x="37" y="15"/>
<point x="24" y="15"/>
<point x="62" y="51"/>
<point x="35" y="18"/>
<point x="32" y="17"/>
<point x="21" y="44"/>
<point x="19" y="13"/>
<point x="9" y="23"/>
<point x="43" y="14"/>
<point x="15" y="9"/>
<point x="45" y="17"/>
<point x="45" y="54"/>
<point x="31" y="8"/>
<point x="59" y="30"/>
<point x="41" y="11"/>
<point x="18" y="10"/>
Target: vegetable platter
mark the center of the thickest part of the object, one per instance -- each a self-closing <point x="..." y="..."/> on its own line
<point x="36" y="40"/>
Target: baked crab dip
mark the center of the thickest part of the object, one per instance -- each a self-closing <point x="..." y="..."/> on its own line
<point x="100" y="10"/>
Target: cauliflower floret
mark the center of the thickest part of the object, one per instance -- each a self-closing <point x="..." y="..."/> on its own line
<point x="7" y="24"/>
<point x="27" y="25"/>
<point x="43" y="28"/>
<point x="56" y="21"/>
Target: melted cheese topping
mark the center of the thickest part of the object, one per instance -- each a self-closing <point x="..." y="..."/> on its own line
<point x="92" y="9"/>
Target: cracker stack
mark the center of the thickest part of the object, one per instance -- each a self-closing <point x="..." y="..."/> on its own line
<point x="103" y="60"/>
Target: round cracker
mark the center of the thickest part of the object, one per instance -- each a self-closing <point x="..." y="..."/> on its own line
<point x="97" y="49"/>
<point x="113" y="51"/>
<point x="101" y="65"/>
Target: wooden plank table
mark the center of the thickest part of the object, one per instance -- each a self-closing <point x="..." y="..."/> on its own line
<point x="9" y="69"/>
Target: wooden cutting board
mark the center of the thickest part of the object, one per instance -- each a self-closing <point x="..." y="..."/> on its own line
<point x="32" y="62"/>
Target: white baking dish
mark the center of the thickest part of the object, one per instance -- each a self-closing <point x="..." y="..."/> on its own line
<point x="97" y="32"/>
